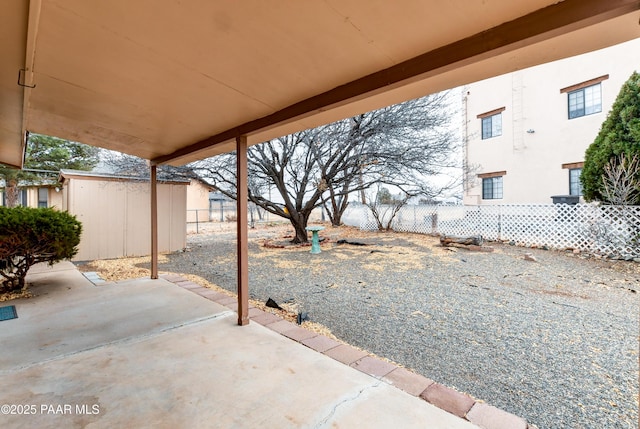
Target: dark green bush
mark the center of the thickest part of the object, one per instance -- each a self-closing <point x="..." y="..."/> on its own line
<point x="619" y="134"/>
<point x="29" y="236"/>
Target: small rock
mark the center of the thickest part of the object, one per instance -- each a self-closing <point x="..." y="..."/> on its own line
<point x="576" y="251"/>
<point x="530" y="257"/>
<point x="636" y="259"/>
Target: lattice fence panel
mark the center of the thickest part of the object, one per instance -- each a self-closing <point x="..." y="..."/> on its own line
<point x="421" y="219"/>
<point x="554" y="226"/>
<point x="469" y="221"/>
<point x="613" y="231"/>
<point x="360" y="216"/>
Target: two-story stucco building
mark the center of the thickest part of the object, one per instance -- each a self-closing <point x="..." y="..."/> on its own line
<point x="526" y="132"/>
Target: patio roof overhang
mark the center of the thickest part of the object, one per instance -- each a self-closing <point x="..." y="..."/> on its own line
<point x="177" y="81"/>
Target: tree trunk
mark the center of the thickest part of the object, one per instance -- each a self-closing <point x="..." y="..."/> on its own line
<point x="335" y="214"/>
<point x="448" y="241"/>
<point x="299" y="224"/>
<point x="339" y="202"/>
<point x="338" y="206"/>
<point x="301" y="233"/>
<point x="13" y="274"/>
<point x="380" y="211"/>
<point x="340" y="211"/>
<point x="11" y="193"/>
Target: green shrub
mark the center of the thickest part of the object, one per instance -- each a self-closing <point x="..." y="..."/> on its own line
<point x="619" y="134"/>
<point x="29" y="236"/>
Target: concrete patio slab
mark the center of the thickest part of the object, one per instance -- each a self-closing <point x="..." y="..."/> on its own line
<point x="69" y="314"/>
<point x="147" y="353"/>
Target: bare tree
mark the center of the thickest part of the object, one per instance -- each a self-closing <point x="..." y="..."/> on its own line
<point x="129" y="165"/>
<point x="621" y="188"/>
<point x="401" y="145"/>
<point x="621" y="180"/>
<point x="384" y="207"/>
<point x="285" y="163"/>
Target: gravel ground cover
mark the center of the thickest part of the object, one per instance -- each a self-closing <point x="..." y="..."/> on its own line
<point x="554" y="340"/>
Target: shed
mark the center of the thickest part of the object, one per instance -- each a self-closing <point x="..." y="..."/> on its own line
<point x="115" y="213"/>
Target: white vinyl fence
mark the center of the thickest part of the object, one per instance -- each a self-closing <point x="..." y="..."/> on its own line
<point x="612" y="231"/>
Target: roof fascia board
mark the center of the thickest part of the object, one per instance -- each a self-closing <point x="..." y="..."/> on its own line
<point x="33" y="24"/>
<point x="67" y="175"/>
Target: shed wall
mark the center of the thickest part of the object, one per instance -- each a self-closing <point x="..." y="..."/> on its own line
<point x="115" y="217"/>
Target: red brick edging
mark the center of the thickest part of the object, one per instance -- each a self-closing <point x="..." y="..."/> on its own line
<point x="446" y="398"/>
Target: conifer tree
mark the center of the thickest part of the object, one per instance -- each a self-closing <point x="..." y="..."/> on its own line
<point x="618" y="139"/>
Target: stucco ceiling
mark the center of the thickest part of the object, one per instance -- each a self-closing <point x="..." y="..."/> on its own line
<point x="177" y="80"/>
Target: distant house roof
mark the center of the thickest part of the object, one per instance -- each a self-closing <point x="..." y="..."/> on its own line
<point x="92" y="175"/>
<point x="204" y="183"/>
<point x="43" y="182"/>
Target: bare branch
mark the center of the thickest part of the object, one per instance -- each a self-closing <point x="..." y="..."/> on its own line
<point x="621" y="180"/>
